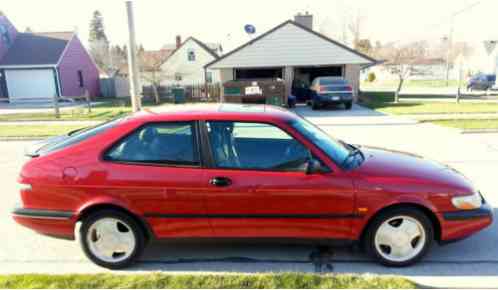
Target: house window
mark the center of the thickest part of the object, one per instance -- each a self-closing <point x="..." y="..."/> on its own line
<point x="209" y="77"/>
<point x="191" y="55"/>
<point x="80" y="79"/>
<point x="178" y="77"/>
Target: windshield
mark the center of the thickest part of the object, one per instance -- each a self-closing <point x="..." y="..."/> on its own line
<point x="336" y="150"/>
<point x="75" y="136"/>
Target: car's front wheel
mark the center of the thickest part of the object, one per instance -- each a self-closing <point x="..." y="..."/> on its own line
<point x="399" y="237"/>
<point x="111" y="239"/>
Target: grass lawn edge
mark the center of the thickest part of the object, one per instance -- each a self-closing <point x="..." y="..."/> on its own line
<point x="197" y="281"/>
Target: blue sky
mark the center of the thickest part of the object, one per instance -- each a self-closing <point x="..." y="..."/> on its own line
<point x="158" y="21"/>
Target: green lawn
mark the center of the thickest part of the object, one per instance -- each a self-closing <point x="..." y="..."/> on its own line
<point x="227" y="281"/>
<point x="408" y="84"/>
<point x="36" y="130"/>
<point x="384" y="102"/>
<point x="469" y="124"/>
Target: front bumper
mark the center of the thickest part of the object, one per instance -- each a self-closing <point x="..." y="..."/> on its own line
<point x="48" y="222"/>
<point x="457" y="225"/>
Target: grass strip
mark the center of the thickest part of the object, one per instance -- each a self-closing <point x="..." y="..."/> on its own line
<point x="218" y="281"/>
<point x="467" y="123"/>
<point x="384" y="103"/>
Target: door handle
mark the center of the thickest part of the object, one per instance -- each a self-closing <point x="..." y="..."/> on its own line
<point x="220" y="181"/>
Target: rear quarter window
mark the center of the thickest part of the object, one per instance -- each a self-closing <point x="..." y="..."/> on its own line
<point x="75" y="137"/>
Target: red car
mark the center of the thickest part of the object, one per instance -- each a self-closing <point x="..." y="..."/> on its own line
<point x="234" y="171"/>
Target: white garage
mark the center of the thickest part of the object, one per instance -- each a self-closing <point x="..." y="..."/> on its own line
<point x="31" y="84"/>
<point x="294" y="52"/>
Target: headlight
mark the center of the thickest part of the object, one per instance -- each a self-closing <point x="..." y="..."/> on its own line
<point x="468" y="201"/>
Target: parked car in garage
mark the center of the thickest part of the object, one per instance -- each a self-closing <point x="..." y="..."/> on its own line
<point x="481" y="82"/>
<point x="331" y="90"/>
<point x="239" y="171"/>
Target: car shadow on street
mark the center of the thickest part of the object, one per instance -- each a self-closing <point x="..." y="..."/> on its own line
<point x="475" y="256"/>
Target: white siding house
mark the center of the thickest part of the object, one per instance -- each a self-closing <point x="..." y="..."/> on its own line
<point x="292" y="51"/>
<point x="185" y="66"/>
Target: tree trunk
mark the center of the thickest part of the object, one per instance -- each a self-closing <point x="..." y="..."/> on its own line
<point x="398" y="90"/>
<point x="156" y="93"/>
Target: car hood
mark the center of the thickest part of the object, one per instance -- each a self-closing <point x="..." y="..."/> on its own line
<point x="407" y="168"/>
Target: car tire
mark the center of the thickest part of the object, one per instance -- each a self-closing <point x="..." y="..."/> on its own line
<point x="413" y="234"/>
<point x="315" y="106"/>
<point x="348" y="105"/>
<point x="114" y="229"/>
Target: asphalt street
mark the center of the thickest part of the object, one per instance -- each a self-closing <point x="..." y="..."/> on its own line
<point x="469" y="263"/>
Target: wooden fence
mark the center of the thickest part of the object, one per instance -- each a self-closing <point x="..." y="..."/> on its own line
<point x="193" y="93"/>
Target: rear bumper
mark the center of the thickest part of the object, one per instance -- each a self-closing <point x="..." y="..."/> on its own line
<point x="458" y="225"/>
<point x="330" y="100"/>
<point x="48" y="222"/>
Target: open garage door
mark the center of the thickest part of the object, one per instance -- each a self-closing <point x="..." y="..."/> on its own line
<point x="30" y="84"/>
<point x="304" y="76"/>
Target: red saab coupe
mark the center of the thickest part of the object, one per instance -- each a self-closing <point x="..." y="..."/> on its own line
<point x="235" y="171"/>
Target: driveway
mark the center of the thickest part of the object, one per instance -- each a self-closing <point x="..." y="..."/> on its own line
<point x="469" y="263"/>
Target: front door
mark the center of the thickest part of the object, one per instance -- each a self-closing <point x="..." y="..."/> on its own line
<point x="259" y="187"/>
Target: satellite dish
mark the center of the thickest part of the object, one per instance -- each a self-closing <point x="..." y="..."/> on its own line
<point x="250" y="29"/>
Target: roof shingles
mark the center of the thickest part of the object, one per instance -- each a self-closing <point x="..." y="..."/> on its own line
<point x="36" y="49"/>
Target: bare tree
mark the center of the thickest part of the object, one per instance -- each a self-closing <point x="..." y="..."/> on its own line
<point x="355" y="26"/>
<point x="402" y="62"/>
<point x="150" y="66"/>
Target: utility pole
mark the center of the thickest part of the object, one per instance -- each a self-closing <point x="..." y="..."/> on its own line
<point x="136" y="102"/>
<point x="449" y="44"/>
<point x="450" y="37"/>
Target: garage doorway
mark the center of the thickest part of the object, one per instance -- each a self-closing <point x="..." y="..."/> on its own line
<point x="258" y="73"/>
<point x="304" y="76"/>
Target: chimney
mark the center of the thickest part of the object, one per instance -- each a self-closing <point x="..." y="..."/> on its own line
<point x="305" y="20"/>
<point x="178" y="41"/>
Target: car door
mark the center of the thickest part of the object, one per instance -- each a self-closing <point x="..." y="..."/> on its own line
<point x="259" y="187"/>
<point x="157" y="170"/>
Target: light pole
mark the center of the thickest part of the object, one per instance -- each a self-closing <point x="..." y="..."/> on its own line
<point x="450" y="37"/>
<point x="132" y="61"/>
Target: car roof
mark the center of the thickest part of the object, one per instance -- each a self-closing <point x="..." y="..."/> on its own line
<point x="217" y="111"/>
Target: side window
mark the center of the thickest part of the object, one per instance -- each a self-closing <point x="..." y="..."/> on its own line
<point x="159" y="143"/>
<point x="257" y="146"/>
<point x="80" y="79"/>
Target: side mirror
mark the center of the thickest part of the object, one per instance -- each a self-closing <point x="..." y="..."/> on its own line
<point x="313" y="166"/>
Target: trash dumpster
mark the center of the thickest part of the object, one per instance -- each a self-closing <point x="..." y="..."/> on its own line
<point x="260" y="91"/>
<point x="178" y="95"/>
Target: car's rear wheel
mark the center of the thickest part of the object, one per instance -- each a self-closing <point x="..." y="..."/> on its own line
<point x="314" y="105"/>
<point x="111" y="239"/>
<point x="399" y="237"/>
<point x="348" y="105"/>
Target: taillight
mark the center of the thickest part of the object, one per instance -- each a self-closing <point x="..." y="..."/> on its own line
<point x="322" y="89"/>
<point x="349" y="88"/>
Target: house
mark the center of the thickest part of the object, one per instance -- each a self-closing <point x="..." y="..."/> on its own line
<point x="292" y="51"/>
<point x="185" y="65"/>
<point x="41" y="66"/>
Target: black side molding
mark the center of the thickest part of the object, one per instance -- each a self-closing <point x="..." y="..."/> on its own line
<point x="42" y="214"/>
<point x="255" y="216"/>
<point x="482" y="212"/>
